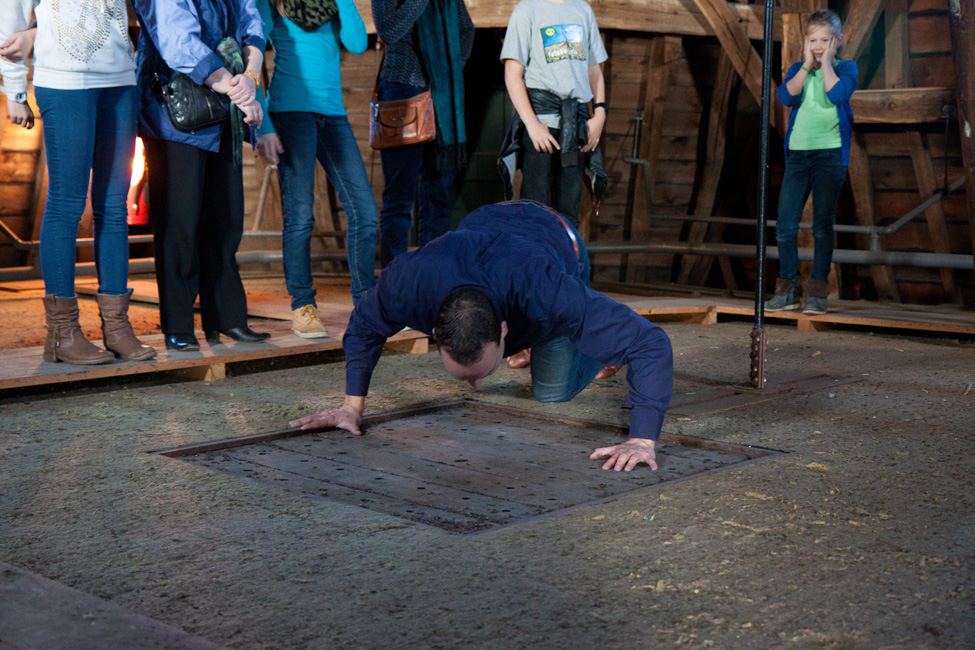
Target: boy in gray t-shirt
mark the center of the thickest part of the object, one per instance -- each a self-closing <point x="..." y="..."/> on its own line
<point x="552" y="53"/>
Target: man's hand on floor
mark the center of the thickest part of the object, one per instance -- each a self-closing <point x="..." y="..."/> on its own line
<point x="628" y="455"/>
<point x="349" y="417"/>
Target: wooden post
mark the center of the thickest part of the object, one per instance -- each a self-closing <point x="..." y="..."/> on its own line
<point x="717" y="136"/>
<point x="866" y="214"/>
<point x="961" y="15"/>
<point x="734" y="41"/>
<point x="927" y="185"/>
<point x="897" y="62"/>
<point x="859" y="25"/>
<point x="664" y="50"/>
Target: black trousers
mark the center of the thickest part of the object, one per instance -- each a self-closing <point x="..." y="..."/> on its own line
<point x="544" y="179"/>
<point x="196" y="201"/>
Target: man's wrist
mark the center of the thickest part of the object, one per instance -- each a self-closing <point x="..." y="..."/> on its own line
<point x="601" y="105"/>
<point x="355" y="402"/>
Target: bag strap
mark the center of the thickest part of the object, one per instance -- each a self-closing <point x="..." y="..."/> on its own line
<point x="379" y="68"/>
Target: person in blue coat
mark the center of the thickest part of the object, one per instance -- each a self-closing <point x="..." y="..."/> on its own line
<point x="196" y="191"/>
<point x="817" y="151"/>
<point x="306" y="120"/>
<point x="513" y="275"/>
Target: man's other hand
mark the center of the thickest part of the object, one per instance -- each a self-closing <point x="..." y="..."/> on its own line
<point x="628" y="455"/>
<point x="347" y="418"/>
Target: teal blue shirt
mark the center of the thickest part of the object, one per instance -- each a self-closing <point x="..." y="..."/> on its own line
<point x="307" y="71"/>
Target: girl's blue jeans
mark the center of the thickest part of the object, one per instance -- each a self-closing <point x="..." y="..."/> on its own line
<point x="822" y="172"/>
<point x="411" y="173"/>
<point x="559" y="370"/>
<point x="87" y="134"/>
<point x="329" y="139"/>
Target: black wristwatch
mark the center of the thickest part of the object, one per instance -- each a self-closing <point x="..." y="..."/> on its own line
<point x="597" y="105"/>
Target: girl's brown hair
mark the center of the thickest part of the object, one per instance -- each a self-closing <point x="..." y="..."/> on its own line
<point x="821" y="18"/>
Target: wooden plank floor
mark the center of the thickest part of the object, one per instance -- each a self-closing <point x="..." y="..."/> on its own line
<point x="267" y="298"/>
<point x="940" y="319"/>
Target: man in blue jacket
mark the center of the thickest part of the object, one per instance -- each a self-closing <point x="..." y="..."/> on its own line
<point x="512" y="276"/>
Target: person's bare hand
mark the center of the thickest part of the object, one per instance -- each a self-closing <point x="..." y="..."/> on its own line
<point x="594" y="126"/>
<point x="17" y="48"/>
<point x="542" y="138"/>
<point x="242" y="89"/>
<point x="253" y="113"/>
<point x="20" y="114"/>
<point x="342" y="418"/>
<point x="270" y="147"/>
<point x="809" y="60"/>
<point x="830" y="52"/>
<point x="628" y="455"/>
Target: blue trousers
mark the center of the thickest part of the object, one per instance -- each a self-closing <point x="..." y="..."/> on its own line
<point x="559" y="370"/>
<point x="329" y="138"/>
<point x="411" y="173"/>
<point x="822" y="172"/>
<point x="87" y="133"/>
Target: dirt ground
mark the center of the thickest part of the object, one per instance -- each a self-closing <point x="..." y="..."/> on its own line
<point x="859" y="536"/>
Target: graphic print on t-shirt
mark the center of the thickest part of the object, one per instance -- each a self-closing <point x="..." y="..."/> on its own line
<point x="563" y="42"/>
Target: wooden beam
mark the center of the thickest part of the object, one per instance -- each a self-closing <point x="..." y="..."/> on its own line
<point x="961" y="15"/>
<point x="901" y="106"/>
<point x="897" y="62"/>
<point x="859" y="24"/>
<point x="664" y="50"/>
<point x="717" y="136"/>
<point x="866" y="215"/>
<point x="736" y="44"/>
<point x="927" y="185"/>
<point x="678" y="17"/>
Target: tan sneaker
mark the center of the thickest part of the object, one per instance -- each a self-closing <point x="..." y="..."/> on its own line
<point x="307" y="323"/>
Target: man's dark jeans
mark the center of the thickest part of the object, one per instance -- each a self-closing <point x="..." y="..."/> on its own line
<point x="544" y="179"/>
<point x="822" y="172"/>
<point x="411" y="173"/>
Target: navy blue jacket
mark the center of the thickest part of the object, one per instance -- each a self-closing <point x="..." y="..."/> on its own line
<point x="839" y="94"/>
<point x="520" y="256"/>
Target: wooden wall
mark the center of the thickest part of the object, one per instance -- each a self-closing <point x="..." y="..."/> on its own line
<point x="672" y="78"/>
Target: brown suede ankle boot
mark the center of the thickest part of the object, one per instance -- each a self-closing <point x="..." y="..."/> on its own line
<point x="65" y="342"/>
<point x="118" y="337"/>
<point x="816" y="292"/>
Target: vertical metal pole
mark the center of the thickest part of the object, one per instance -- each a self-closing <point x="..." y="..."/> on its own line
<point x="757" y="355"/>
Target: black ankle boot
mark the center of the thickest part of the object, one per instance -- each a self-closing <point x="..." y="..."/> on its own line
<point x="182" y="342"/>
<point x="240" y="334"/>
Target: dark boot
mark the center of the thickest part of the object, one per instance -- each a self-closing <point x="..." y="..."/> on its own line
<point x="65" y="342"/>
<point x="118" y="337"/>
<point x="786" y="296"/>
<point x="816" y="292"/>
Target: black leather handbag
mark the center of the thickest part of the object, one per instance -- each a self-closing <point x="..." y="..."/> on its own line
<point x="191" y="106"/>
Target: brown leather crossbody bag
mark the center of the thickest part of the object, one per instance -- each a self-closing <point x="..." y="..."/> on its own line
<point x="400" y="122"/>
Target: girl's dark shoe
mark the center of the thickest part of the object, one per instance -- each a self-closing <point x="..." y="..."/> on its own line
<point x="786" y="296"/>
<point x="182" y="342"/>
<point x="240" y="334"/>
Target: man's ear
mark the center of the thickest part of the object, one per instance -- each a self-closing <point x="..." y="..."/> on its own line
<point x="504" y="329"/>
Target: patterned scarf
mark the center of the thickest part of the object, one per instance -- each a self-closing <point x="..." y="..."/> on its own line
<point x="309" y="14"/>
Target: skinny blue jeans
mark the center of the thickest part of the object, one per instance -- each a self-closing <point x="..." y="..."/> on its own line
<point x="87" y="133"/>
<point x="411" y="173"/>
<point x="822" y="172"/>
<point x="329" y="138"/>
<point x="559" y="370"/>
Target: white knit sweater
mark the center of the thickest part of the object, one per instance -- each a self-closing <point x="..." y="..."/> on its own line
<point x="80" y="44"/>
